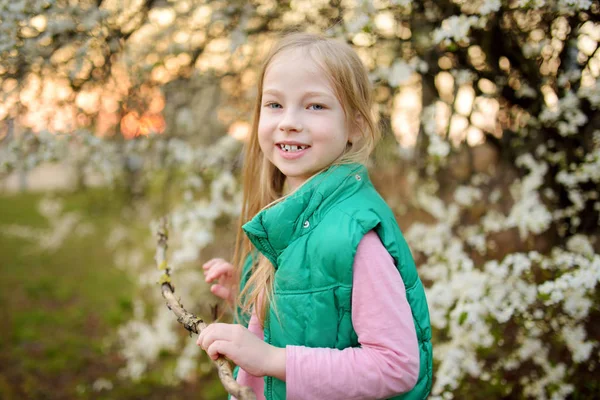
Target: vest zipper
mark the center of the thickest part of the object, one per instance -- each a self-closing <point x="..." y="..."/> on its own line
<point x="267" y="331"/>
<point x="269" y="378"/>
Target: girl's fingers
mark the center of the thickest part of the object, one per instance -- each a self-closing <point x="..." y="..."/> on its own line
<point x="218" y="270"/>
<point x="220" y="291"/>
<point x="213" y="332"/>
<point x="219" y="347"/>
<point x="210" y="263"/>
<point x="203" y="335"/>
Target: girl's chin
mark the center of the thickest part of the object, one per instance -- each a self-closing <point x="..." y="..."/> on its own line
<point x="295" y="179"/>
<point x="294" y="184"/>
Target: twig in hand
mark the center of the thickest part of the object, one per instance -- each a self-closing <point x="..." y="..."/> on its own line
<point x="215" y="311"/>
<point x="192" y="323"/>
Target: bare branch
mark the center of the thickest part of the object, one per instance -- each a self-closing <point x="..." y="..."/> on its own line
<point x="189" y="320"/>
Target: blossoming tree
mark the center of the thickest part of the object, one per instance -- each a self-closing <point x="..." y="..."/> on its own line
<point x="493" y="104"/>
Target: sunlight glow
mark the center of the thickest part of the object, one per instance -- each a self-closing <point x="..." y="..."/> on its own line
<point x="464" y="100"/>
<point x="458" y="129"/>
<point x="162" y="16"/>
<point x="39" y="22"/>
<point x="239" y="130"/>
<point x="133" y="125"/>
<point x="405" y="116"/>
<point x="485" y="111"/>
<point x="444" y="83"/>
<point x="386" y="23"/>
<point x="550" y="97"/>
<point x="88" y="101"/>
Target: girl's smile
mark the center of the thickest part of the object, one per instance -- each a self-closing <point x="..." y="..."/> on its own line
<point x="292" y="150"/>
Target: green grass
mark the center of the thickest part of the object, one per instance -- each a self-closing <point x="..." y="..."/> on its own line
<point x="59" y="307"/>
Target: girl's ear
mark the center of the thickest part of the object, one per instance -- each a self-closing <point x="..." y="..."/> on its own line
<point x="357" y="129"/>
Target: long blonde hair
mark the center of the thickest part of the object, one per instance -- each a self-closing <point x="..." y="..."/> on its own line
<point x="263" y="183"/>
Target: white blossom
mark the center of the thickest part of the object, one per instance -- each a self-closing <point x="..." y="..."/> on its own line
<point x="591" y="93"/>
<point x="357" y="23"/>
<point x="400" y="72"/>
<point x="576" y="5"/>
<point x="143" y="342"/>
<point x="101" y="384"/>
<point x="438" y="147"/>
<point x="529" y="214"/>
<point x="455" y="28"/>
<point x="575" y="340"/>
<point x="531" y="3"/>
<point x="466" y="196"/>
<point x="580" y="244"/>
<point x="187" y="361"/>
<point x="489" y="6"/>
<point x="526" y="91"/>
<point x="463" y="77"/>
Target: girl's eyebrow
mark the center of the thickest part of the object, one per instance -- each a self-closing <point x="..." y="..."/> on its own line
<point x="316" y="94"/>
<point x="276" y="92"/>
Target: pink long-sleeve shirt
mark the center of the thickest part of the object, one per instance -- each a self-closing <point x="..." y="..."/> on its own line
<point x="387" y="361"/>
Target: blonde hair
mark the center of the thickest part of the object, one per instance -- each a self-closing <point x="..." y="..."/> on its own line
<point x="349" y="80"/>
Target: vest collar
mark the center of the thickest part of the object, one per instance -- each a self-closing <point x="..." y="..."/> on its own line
<point x="274" y="228"/>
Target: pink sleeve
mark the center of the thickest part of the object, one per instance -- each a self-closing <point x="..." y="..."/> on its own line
<point x="387" y="363"/>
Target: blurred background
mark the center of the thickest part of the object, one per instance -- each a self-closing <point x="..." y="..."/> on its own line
<point x="114" y="113"/>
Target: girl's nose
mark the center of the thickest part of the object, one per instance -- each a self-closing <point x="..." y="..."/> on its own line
<point x="290" y="122"/>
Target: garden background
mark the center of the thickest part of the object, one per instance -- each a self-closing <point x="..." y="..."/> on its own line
<point x="116" y="112"/>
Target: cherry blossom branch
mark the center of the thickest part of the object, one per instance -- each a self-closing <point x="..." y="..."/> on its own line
<point x="191" y="322"/>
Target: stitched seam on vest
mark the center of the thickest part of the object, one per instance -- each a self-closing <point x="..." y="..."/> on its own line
<point x="321" y="289"/>
<point x="413" y="285"/>
<point x="338" y="208"/>
<point x="420" y="333"/>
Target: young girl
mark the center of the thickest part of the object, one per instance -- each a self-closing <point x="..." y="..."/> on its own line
<point x="330" y="305"/>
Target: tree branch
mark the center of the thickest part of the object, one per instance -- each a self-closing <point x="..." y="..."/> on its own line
<point x="189" y="320"/>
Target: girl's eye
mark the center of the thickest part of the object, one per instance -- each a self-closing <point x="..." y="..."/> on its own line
<point x="316" y="107"/>
<point x="273" y="105"/>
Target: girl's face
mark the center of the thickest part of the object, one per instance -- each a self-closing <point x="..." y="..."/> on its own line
<point x="302" y="127"/>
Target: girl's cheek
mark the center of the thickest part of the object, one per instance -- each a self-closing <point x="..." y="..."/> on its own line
<point x="267" y="121"/>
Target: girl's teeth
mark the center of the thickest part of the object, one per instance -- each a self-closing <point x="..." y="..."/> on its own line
<point x="287" y="147"/>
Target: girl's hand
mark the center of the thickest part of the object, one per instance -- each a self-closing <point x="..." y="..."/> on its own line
<point x="244" y="348"/>
<point x="221" y="271"/>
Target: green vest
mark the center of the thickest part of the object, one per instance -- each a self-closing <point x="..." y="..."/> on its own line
<point x="311" y="239"/>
